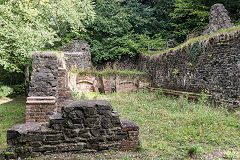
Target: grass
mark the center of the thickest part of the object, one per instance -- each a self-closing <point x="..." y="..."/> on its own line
<point x="11" y="113"/>
<point x="170" y="128"/>
<point x="109" y="72"/>
<point x="199" y="38"/>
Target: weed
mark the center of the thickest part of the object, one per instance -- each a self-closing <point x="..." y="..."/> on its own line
<point x="140" y="147"/>
<point x="83" y="97"/>
<point x="176" y="71"/>
<point x="109" y="72"/>
<point x="194" y="150"/>
<point x="204" y="99"/>
<point x="158" y="92"/>
<point x="230" y="155"/>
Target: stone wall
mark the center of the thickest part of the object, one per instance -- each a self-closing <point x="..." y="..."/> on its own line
<point x="218" y="19"/>
<point x="108" y="83"/>
<point x="84" y="126"/>
<point x="44" y="78"/>
<point x="77" y="55"/>
<point x="216" y="68"/>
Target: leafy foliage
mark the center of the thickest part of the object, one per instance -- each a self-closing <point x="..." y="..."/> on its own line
<point x="5" y="91"/>
<point x="121" y="28"/>
<point x="114" y="28"/>
<point x="189" y="16"/>
<point x="21" y="32"/>
<point x="28" y="26"/>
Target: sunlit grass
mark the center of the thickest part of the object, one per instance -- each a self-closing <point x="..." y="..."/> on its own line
<point x="11" y="113"/>
<point x="170" y="128"/>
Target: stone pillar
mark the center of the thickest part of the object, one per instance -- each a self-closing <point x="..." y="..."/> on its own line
<point x="39" y="109"/>
<point x="43" y="92"/>
<point x="218" y="19"/>
<point x="44" y="79"/>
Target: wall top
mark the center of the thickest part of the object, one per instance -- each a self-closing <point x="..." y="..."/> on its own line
<point x="76" y="46"/>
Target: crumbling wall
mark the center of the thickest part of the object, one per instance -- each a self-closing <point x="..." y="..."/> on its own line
<point x="108" y="83"/>
<point x="77" y="55"/>
<point x="215" y="68"/>
<point x="218" y="19"/>
<point x="84" y="126"/>
<point x="44" y="78"/>
<point x="48" y="88"/>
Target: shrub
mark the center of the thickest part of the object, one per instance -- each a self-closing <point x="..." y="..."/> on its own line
<point x="19" y="89"/>
<point x="5" y="91"/>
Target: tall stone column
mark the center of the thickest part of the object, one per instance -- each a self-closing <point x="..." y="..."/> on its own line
<point x="43" y="92"/>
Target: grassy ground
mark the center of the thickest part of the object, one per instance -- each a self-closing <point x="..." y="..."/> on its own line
<point x="11" y="112"/>
<point x="170" y="128"/>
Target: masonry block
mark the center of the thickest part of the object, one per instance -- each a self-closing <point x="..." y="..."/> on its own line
<point x="83" y="126"/>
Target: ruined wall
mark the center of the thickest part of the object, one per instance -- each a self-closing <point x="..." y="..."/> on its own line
<point x="124" y="63"/>
<point x="44" y="78"/>
<point x="218" y="19"/>
<point x="108" y="83"/>
<point x="48" y="88"/>
<point x="215" y="68"/>
<point x="77" y="55"/>
<point x="84" y="126"/>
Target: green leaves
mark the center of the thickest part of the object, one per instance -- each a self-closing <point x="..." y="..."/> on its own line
<point x="121" y="28"/>
<point x="189" y="16"/>
<point x="28" y="26"/>
<point x="22" y="32"/>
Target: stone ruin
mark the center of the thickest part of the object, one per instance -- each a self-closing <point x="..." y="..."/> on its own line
<point x="83" y="126"/>
<point x="54" y="123"/>
<point x="77" y="55"/>
<point x="218" y="19"/>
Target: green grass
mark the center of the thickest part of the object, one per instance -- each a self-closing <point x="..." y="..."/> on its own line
<point x="193" y="40"/>
<point x="11" y="113"/>
<point x="170" y="128"/>
<point x="109" y="72"/>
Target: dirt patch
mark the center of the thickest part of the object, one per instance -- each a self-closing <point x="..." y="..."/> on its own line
<point x="5" y="100"/>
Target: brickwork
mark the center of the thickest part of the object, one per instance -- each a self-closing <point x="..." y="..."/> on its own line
<point x="108" y="83"/>
<point x="64" y="92"/>
<point x="39" y="109"/>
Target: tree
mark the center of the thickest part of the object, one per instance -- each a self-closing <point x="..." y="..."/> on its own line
<point x="189" y="16"/>
<point x="28" y="26"/>
<point x="121" y="28"/>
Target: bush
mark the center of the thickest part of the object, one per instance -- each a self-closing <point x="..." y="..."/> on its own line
<point x="5" y="91"/>
<point x="19" y="89"/>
